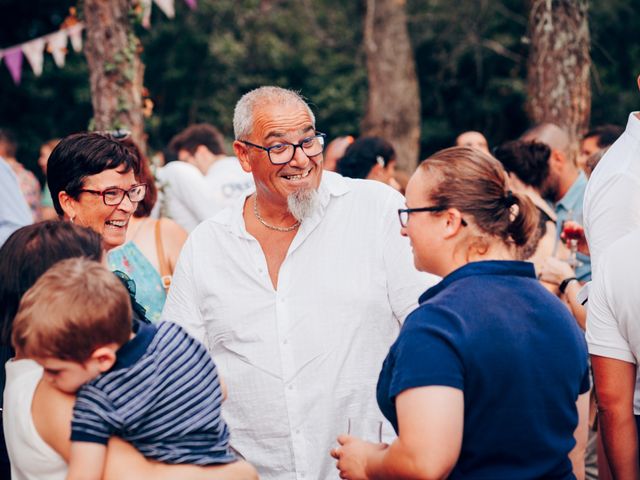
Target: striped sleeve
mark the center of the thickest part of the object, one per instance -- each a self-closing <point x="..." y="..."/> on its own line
<point x="94" y="417"/>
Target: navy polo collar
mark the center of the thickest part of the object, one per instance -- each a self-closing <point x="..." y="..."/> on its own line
<point x="129" y="353"/>
<point x="486" y="267"/>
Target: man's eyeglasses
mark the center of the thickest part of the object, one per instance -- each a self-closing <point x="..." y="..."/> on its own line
<point x="114" y="196"/>
<point x="282" y="153"/>
<point x="403" y="213"/>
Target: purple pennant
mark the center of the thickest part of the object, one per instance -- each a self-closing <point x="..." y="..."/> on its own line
<point x="13" y="61"/>
<point x="193" y="4"/>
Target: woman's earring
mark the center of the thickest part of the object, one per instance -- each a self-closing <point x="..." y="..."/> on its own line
<point x="71" y="219"/>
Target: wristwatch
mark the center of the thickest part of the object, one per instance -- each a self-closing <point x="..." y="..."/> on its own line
<point x="565" y="283"/>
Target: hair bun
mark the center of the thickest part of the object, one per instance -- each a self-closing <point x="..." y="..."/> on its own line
<point x="509" y="200"/>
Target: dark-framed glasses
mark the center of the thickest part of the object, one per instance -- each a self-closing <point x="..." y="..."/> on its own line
<point x="403" y="213"/>
<point x="282" y="153"/>
<point x="114" y="195"/>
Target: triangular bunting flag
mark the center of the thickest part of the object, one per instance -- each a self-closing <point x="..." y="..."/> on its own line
<point x="146" y="13"/>
<point x="34" y="51"/>
<point x="57" y="46"/>
<point x="75" y="35"/>
<point x="167" y="6"/>
<point x="13" y="61"/>
<point x="193" y="4"/>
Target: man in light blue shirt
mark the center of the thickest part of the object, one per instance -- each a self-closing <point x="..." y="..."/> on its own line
<point x="565" y="185"/>
<point x="14" y="211"/>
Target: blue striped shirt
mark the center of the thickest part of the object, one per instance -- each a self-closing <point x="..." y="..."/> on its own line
<point x="162" y="395"/>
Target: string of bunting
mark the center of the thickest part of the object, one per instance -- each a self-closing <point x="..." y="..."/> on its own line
<point x="56" y="43"/>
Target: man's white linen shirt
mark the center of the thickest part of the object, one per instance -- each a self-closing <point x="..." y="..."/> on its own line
<point x="612" y="198"/>
<point x="300" y="360"/>
<point x="613" y="323"/>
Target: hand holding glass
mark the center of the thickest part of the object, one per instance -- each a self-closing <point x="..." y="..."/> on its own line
<point x="367" y="429"/>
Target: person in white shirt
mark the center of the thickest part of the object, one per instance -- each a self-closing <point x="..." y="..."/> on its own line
<point x="184" y="196"/>
<point x="202" y="146"/>
<point x="298" y="290"/>
<point x="613" y="336"/>
<point x="611" y="213"/>
<point x="612" y="197"/>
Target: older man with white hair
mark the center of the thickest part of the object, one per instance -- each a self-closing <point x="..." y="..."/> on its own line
<point x="298" y="290"/>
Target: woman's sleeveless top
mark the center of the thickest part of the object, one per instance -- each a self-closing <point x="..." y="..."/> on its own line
<point x="149" y="290"/>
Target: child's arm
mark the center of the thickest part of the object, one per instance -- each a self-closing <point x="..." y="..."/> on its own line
<point x="86" y="461"/>
<point x="223" y="387"/>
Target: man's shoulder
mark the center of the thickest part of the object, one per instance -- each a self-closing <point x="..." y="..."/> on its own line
<point x="359" y="190"/>
<point x="623" y="253"/>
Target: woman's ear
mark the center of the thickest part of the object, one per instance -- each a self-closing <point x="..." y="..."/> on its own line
<point x="454" y="222"/>
<point x="68" y="204"/>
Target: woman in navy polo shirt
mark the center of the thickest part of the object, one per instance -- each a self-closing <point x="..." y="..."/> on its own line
<point x="489" y="374"/>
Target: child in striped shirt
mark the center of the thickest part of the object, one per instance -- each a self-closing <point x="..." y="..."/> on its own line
<point x="156" y="388"/>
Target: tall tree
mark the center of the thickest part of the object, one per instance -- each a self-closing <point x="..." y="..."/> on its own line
<point x="393" y="105"/>
<point x="115" y="70"/>
<point x="559" y="90"/>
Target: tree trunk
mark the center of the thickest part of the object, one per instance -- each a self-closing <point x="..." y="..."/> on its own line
<point x="115" y="69"/>
<point x="393" y="106"/>
<point x="559" y="90"/>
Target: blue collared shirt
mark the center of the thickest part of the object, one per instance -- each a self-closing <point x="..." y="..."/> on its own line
<point x="491" y="330"/>
<point x="570" y="205"/>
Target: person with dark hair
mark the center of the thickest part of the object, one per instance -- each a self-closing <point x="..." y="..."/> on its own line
<point x="527" y="164"/>
<point x="92" y="179"/>
<point x="152" y="247"/>
<point x="487" y="376"/>
<point x="372" y="158"/>
<point x="42" y="436"/>
<point x="29" y="185"/>
<point x="204" y="180"/>
<point x="564" y="187"/>
<point x="597" y="138"/>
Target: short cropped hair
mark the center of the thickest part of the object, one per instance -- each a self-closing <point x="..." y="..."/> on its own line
<point x="606" y="135"/>
<point x="363" y="154"/>
<point x="81" y="155"/>
<point x="528" y="160"/>
<point x="76" y="307"/>
<point x="243" y="112"/>
<point x="199" y="134"/>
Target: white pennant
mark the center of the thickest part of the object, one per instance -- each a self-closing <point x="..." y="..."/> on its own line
<point x="167" y="6"/>
<point x="57" y="43"/>
<point x="146" y="13"/>
<point x="75" y="35"/>
<point x="34" y="51"/>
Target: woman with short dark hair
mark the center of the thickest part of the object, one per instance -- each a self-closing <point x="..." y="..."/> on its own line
<point x="92" y="179"/>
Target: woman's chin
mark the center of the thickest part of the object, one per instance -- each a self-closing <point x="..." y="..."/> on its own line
<point x="110" y="241"/>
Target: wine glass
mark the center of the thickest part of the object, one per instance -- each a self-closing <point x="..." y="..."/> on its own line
<point x="572" y="232"/>
<point x="367" y="429"/>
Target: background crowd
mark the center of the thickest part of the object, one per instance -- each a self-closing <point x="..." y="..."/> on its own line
<point x="299" y="280"/>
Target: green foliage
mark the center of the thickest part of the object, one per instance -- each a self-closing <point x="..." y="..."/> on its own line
<point x="470" y="55"/>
